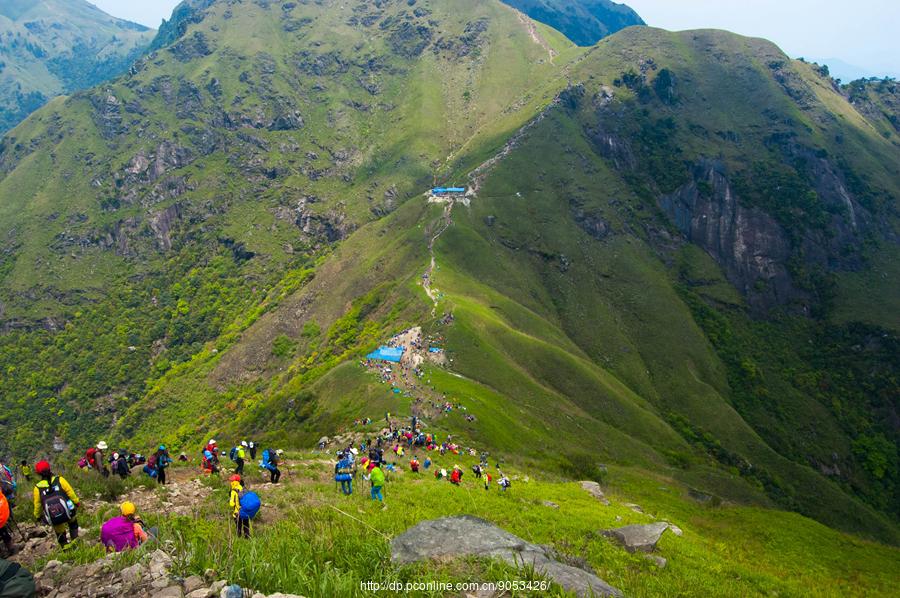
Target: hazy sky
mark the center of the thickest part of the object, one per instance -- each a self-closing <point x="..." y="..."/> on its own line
<point x="865" y="33"/>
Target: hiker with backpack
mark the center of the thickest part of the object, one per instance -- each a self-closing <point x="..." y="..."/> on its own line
<point x="376" y="478"/>
<point x="210" y="463"/>
<point x="456" y="475"/>
<point x="161" y="461"/>
<point x="24" y="471"/>
<point x="120" y="465"/>
<point x="8" y="485"/>
<point x="414" y="464"/>
<point x="343" y="473"/>
<point x="56" y="503"/>
<point x="125" y="531"/>
<point x="95" y="460"/>
<point x="270" y="460"/>
<point x="244" y="505"/>
<point x="251" y="448"/>
<point x="238" y="454"/>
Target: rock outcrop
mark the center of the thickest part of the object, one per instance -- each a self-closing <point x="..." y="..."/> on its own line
<point x="470" y="536"/>
<point x="638" y="538"/>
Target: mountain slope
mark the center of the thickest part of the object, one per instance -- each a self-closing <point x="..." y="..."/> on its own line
<point x="585" y="22"/>
<point x="55" y="47"/>
<point x="650" y="267"/>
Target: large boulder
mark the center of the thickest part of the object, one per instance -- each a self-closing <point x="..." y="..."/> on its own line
<point x="636" y="538"/>
<point x="470" y="536"/>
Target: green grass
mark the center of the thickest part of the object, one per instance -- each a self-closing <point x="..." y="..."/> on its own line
<point x="312" y="540"/>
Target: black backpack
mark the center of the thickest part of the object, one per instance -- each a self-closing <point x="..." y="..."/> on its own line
<point x="56" y="503"/>
<point x="273" y="457"/>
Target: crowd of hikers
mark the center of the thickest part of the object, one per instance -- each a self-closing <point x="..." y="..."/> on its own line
<point x="56" y="503"/>
<point x="372" y="467"/>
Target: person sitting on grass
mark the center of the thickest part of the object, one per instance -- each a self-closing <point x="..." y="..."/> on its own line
<point x="125" y="531"/>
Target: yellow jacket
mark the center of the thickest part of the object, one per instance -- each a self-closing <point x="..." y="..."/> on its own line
<point x="235" y="500"/>
<point x="38" y="505"/>
<point x="240" y="453"/>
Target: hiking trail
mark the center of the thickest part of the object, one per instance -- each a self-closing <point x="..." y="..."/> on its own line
<point x="535" y="36"/>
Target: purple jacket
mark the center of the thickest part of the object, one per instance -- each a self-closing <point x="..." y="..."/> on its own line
<point x="118" y="533"/>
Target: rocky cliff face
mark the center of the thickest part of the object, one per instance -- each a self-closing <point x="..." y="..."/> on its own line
<point x="752" y="248"/>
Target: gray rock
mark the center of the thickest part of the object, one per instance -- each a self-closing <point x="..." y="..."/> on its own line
<point x="675" y="530"/>
<point x="638" y="537"/>
<point x="133" y="574"/>
<point x="593" y="488"/>
<point x="192" y="583"/>
<point x="202" y="593"/>
<point x="634" y="507"/>
<point x="551" y="504"/>
<point x="160" y="563"/>
<point x="655" y="558"/>
<point x="169" y="592"/>
<point x="466" y="535"/>
<point x="160" y="583"/>
<point x="216" y="588"/>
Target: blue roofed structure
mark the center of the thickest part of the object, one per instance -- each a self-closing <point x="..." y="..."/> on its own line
<point x="392" y="354"/>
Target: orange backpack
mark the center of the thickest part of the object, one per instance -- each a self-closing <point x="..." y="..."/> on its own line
<point x="4" y="511"/>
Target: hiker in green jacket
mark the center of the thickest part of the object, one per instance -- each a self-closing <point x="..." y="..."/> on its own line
<point x="376" y="477"/>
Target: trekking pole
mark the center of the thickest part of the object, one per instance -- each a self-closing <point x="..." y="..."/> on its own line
<point x="15" y="525"/>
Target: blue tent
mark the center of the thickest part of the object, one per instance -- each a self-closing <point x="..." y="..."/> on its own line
<point x="393" y="354"/>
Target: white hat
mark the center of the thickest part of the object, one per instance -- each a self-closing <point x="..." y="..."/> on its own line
<point x="279" y="452"/>
<point x="102" y="446"/>
<point x="212" y="441"/>
<point x="354" y="451"/>
<point x="115" y="455"/>
<point x="243" y="443"/>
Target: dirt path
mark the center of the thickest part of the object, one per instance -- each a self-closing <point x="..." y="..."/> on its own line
<point x="444" y="223"/>
<point x="535" y="36"/>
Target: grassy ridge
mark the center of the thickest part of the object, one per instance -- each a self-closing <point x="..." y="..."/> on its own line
<point x="303" y="544"/>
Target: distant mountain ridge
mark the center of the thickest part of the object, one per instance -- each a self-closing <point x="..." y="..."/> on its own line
<point x="585" y="22"/>
<point x="55" y="47"/>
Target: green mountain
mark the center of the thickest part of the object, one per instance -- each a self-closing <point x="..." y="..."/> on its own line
<point x="676" y="252"/>
<point x="55" y="47"/>
<point x="585" y="22"/>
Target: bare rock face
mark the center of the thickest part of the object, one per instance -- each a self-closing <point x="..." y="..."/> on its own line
<point x="466" y="535"/>
<point x="750" y="245"/>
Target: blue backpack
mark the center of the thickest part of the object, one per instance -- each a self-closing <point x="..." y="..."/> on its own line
<point x="250" y="504"/>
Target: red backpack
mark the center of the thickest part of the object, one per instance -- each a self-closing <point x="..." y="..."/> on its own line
<point x="90" y="455"/>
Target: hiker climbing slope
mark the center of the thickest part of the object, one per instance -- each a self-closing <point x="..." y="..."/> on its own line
<point x="161" y="460"/>
<point x="343" y="473"/>
<point x="56" y="503"/>
<point x="270" y="460"/>
<point x="244" y="504"/>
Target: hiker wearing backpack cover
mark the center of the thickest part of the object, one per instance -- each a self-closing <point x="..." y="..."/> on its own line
<point x="270" y="460"/>
<point x="56" y="503"/>
<point x="244" y="505"/>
